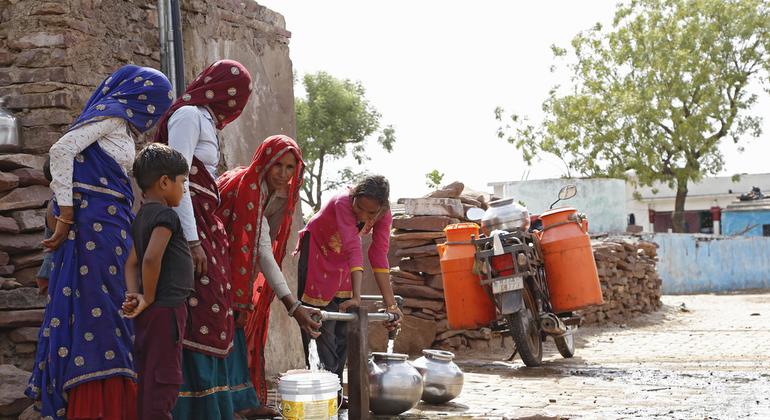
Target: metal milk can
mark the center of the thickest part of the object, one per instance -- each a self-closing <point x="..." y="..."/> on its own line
<point x="10" y="137"/>
<point x="505" y="215"/>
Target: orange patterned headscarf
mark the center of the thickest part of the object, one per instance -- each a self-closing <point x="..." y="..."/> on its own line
<point x="244" y="197"/>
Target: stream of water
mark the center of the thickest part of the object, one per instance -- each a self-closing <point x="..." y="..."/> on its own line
<point x="391" y="343"/>
<point x="313" y="359"/>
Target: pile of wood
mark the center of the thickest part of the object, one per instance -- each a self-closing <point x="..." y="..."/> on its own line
<point x="630" y="282"/>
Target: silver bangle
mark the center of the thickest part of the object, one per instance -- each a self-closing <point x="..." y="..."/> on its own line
<point x="294" y="308"/>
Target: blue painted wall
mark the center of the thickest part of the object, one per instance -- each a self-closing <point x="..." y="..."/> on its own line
<point x="735" y="222"/>
<point x="690" y="263"/>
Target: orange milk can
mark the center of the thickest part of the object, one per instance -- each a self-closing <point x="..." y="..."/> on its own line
<point x="569" y="261"/>
<point x="467" y="304"/>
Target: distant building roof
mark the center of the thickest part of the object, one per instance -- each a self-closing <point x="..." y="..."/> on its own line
<point x="753" y="205"/>
<point x="713" y="186"/>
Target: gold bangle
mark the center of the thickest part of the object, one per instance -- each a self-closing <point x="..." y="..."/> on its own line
<point x="65" y="221"/>
<point x="393" y="307"/>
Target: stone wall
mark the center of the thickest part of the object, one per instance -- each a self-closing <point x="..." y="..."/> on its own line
<point x="416" y="273"/>
<point x="255" y="36"/>
<point x="52" y="55"/>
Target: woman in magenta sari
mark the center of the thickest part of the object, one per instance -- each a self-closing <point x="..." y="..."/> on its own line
<point x="331" y="261"/>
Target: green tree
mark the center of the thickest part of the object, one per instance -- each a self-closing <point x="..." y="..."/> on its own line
<point x="657" y="93"/>
<point x="333" y="121"/>
<point x="433" y="179"/>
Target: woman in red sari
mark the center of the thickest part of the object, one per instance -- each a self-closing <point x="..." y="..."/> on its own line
<point x="257" y="206"/>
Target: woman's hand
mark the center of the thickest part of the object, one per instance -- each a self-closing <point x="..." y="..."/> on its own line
<point x="304" y="317"/>
<point x="397" y="323"/>
<point x="42" y="285"/>
<point x="199" y="258"/>
<point x="350" y="303"/>
<point x="61" y="230"/>
<point x="240" y="318"/>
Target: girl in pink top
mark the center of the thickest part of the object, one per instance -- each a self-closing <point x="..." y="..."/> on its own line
<point x="331" y="260"/>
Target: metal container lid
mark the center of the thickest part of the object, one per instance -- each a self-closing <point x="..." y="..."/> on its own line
<point x="501" y="202"/>
<point x="440" y="355"/>
<point x="558" y="210"/>
<point x="382" y="356"/>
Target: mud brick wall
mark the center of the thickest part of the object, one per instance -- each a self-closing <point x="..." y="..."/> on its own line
<point x="626" y="267"/>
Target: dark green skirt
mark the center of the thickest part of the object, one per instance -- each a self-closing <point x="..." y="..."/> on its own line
<point x="214" y="388"/>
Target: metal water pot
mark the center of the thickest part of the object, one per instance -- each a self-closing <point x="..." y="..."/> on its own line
<point x="442" y="378"/>
<point x="395" y="386"/>
<point x="10" y="137"/>
<point x="505" y="215"/>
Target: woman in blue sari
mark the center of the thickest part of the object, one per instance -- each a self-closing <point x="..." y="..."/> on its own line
<point x="84" y="366"/>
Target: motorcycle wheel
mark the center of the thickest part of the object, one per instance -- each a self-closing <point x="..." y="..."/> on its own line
<point x="566" y="343"/>
<point x="525" y="330"/>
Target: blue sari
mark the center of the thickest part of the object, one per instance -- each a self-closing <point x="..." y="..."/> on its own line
<point x="84" y="336"/>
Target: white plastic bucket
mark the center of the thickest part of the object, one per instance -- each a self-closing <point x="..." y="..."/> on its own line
<point x="309" y="396"/>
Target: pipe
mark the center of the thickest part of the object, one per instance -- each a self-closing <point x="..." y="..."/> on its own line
<point x="347" y="317"/>
<point x="399" y="299"/>
<point x="178" y="53"/>
<point x="166" y="41"/>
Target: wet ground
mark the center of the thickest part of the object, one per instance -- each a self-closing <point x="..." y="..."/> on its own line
<point x="700" y="357"/>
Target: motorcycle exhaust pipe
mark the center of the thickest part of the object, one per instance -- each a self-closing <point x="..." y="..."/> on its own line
<point x="552" y="325"/>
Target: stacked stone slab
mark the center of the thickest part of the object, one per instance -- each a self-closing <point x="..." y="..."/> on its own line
<point x="24" y="194"/>
<point x="416" y="275"/>
<point x="626" y="266"/>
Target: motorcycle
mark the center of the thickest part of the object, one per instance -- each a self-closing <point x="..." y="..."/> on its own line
<point x="511" y="264"/>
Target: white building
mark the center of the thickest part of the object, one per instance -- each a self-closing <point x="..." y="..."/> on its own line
<point x="714" y="192"/>
<point x="613" y="204"/>
<point x="602" y="200"/>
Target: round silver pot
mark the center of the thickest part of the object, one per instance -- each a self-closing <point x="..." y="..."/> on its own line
<point x="442" y="378"/>
<point x="395" y="386"/>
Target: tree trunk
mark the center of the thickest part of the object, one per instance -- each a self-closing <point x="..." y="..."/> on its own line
<point x="319" y="181"/>
<point x="677" y="218"/>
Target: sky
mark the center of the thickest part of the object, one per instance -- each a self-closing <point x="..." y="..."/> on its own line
<point x="436" y="71"/>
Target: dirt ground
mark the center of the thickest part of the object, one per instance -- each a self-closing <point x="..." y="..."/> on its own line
<point x="700" y="357"/>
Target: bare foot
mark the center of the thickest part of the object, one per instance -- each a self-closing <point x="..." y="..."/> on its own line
<point x="260" y="412"/>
